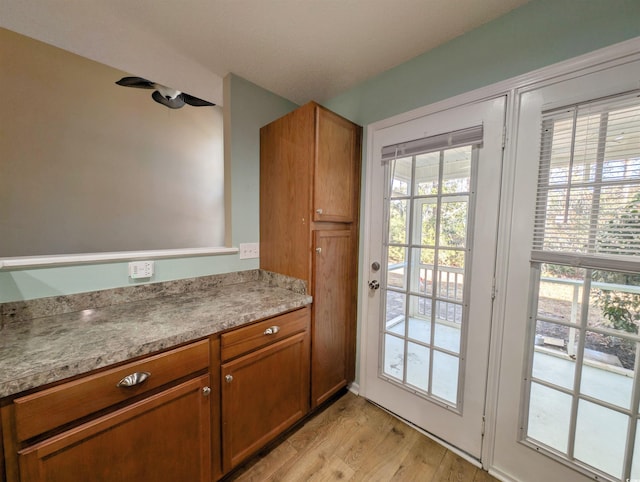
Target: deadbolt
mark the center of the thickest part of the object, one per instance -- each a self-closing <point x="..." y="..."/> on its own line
<point x="375" y="266"/>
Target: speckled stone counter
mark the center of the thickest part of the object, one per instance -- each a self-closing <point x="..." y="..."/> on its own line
<point x="47" y="340"/>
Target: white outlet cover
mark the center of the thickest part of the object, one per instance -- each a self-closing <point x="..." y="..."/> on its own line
<point x="249" y="250"/>
<point x="141" y="269"/>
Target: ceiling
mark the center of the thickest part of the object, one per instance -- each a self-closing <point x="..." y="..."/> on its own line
<point x="300" y="49"/>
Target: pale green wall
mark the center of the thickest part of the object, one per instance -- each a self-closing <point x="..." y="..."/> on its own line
<point x="535" y="35"/>
<point x="249" y="108"/>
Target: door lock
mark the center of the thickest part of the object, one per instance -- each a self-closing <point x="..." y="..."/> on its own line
<point x="374" y="285"/>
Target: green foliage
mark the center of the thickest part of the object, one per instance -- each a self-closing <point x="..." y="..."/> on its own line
<point x="621" y="310"/>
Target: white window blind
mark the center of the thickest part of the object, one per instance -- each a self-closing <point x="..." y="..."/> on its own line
<point x="471" y="136"/>
<point x="588" y="196"/>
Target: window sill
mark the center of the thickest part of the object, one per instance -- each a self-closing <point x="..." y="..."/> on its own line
<point x="91" y="258"/>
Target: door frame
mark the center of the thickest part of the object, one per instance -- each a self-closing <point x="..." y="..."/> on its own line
<point x="601" y="59"/>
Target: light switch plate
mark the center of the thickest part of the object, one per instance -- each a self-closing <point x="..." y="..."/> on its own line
<point x="249" y="250"/>
<point x="140" y="269"/>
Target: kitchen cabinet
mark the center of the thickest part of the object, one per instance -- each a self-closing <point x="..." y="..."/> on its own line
<point x="333" y="281"/>
<point x="309" y="198"/>
<point x="148" y="420"/>
<point x="265" y="383"/>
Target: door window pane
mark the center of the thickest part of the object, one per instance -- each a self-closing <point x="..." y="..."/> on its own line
<point x="420" y="318"/>
<point x="422" y="278"/>
<point x="453" y="222"/>
<point x="601" y="436"/>
<point x="425" y="228"/>
<point x="448" y="312"/>
<point x="552" y="362"/>
<point x="549" y="417"/>
<point x="445" y="376"/>
<point x="603" y="376"/>
<point x="447" y="336"/>
<point x="418" y="366"/>
<point x="614" y="302"/>
<point x="400" y="177"/>
<point x="451" y="274"/>
<point x="427" y="173"/>
<point x="396" y="271"/>
<point x="393" y="356"/>
<point x="398" y="221"/>
<point x="395" y="308"/>
<point x="457" y="170"/>
<point x="560" y="293"/>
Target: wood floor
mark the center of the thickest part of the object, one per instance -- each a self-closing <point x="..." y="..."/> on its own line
<point x="354" y="440"/>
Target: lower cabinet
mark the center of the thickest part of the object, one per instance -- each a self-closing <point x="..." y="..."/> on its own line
<point x="333" y="328"/>
<point x="265" y="383"/>
<point x="192" y="413"/>
<point x="145" y="421"/>
<point x="165" y="437"/>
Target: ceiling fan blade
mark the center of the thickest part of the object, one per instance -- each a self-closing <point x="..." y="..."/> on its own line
<point x="137" y="82"/>
<point x="191" y="100"/>
<point x="171" y="103"/>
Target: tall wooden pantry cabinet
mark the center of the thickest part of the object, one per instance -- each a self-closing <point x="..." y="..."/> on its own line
<point x="309" y="212"/>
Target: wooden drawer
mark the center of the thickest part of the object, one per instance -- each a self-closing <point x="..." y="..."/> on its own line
<point x="53" y="407"/>
<point x="252" y="337"/>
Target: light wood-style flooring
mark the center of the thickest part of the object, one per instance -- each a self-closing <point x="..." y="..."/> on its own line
<point x="354" y="440"/>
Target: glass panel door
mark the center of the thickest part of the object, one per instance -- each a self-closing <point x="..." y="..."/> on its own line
<point x="416" y="361"/>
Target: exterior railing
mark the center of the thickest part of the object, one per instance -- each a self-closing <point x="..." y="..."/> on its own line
<point x="576" y="284"/>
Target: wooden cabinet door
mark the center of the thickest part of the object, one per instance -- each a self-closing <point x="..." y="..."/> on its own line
<point x="333" y="320"/>
<point x="336" y="169"/>
<point x="263" y="393"/>
<point x="165" y="437"/>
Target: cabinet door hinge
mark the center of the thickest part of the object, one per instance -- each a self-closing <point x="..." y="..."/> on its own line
<point x="483" y="424"/>
<point x="493" y="289"/>
<point x="504" y="136"/>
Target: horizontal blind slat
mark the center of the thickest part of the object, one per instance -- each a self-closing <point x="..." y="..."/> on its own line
<point x="588" y="193"/>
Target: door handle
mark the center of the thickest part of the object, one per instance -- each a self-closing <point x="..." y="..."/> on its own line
<point x="374" y="285"/>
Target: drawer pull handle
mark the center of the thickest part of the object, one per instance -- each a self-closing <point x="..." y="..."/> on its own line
<point x="272" y="330"/>
<point x="134" y="379"/>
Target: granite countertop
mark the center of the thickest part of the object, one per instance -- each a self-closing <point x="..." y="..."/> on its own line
<point x="95" y="330"/>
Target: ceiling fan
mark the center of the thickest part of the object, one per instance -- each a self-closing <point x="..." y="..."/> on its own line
<point x="174" y="99"/>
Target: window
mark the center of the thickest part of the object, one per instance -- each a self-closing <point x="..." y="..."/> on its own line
<point x="582" y="388"/>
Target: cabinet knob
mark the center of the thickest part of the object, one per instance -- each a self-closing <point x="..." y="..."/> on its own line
<point x="272" y="330"/>
<point x="229" y="378"/>
<point x="206" y="391"/>
<point x="132" y="380"/>
<point x="319" y="211"/>
<point x="318" y="250"/>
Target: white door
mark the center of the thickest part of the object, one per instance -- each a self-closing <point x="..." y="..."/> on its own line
<point x="569" y="388"/>
<point x="434" y="189"/>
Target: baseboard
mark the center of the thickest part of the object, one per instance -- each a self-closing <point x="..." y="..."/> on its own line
<point x="354" y="388"/>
